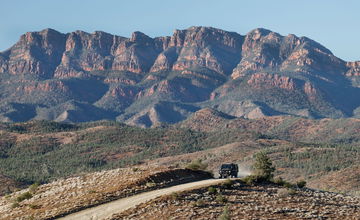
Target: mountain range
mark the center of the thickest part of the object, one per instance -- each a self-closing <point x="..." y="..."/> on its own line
<point x="144" y="81"/>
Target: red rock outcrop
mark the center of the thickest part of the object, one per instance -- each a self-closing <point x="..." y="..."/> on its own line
<point x="266" y="50"/>
<point x="124" y="92"/>
<point x="176" y="90"/>
<point x="136" y="54"/>
<point x="268" y="81"/>
<point x="201" y="47"/>
<point x="43" y="87"/>
<point x="311" y="91"/>
<point x="118" y="80"/>
<point x="165" y="60"/>
<point x="162" y="87"/>
<point x="62" y="72"/>
<point x="260" y="50"/>
<point x="353" y="68"/>
<point x="87" y="52"/>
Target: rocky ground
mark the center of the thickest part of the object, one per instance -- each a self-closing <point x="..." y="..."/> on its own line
<point x="69" y="195"/>
<point x="243" y="201"/>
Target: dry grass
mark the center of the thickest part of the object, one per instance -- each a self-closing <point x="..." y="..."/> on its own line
<point x="66" y="194"/>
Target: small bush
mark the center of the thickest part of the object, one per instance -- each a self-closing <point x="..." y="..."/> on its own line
<point x="252" y="179"/>
<point x="197" y="165"/>
<point x="212" y="190"/>
<point x="33" y="187"/>
<point x="221" y="199"/>
<point x="15" y="205"/>
<point x="200" y="203"/>
<point x="292" y="191"/>
<point x="228" y="183"/>
<point x="249" y="180"/>
<point x="175" y="196"/>
<point x="288" y="185"/>
<point x="279" y="181"/>
<point x="135" y="169"/>
<point x="22" y="197"/>
<point x="34" y="206"/>
<point x="225" y="215"/>
<point x="286" y="192"/>
<point x="301" y="184"/>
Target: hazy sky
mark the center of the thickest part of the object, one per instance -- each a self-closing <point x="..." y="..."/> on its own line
<point x="333" y="23"/>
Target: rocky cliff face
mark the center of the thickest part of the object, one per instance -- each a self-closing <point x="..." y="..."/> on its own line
<point x="263" y="49"/>
<point x="64" y="55"/>
<point x="36" y="53"/>
<point x="200" y="66"/>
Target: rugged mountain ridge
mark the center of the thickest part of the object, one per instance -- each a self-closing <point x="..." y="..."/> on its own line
<point x="57" y="55"/>
<point x="146" y="81"/>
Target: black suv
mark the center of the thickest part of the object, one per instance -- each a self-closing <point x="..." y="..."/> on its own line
<point x="228" y="170"/>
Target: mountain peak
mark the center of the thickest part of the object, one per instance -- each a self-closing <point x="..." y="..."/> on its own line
<point x="139" y="36"/>
<point x="203" y="28"/>
<point x="262" y="31"/>
<point x="49" y="31"/>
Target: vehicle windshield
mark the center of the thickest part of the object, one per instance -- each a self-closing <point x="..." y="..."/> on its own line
<point x="226" y="166"/>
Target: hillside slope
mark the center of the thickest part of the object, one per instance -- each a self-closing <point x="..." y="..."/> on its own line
<point x="42" y="151"/>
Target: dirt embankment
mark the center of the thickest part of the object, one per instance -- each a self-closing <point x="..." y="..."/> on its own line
<point x="73" y="194"/>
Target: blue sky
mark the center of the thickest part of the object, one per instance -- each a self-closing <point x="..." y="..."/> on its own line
<point x="333" y="23"/>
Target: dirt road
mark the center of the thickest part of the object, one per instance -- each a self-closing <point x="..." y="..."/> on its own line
<point x="107" y="210"/>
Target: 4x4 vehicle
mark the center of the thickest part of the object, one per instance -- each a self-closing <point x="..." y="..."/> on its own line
<point x="228" y="170"/>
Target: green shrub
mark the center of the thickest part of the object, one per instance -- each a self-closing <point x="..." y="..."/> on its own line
<point x="24" y="196"/>
<point x="263" y="166"/>
<point x="292" y="191"/>
<point x="212" y="190"/>
<point x="135" y="169"/>
<point x="228" y="183"/>
<point x="200" y="203"/>
<point x="288" y="185"/>
<point x="197" y="165"/>
<point x="33" y="187"/>
<point x="252" y="179"/>
<point x="175" y="196"/>
<point x="15" y="205"/>
<point x="283" y="192"/>
<point x="225" y="215"/>
<point x="221" y="199"/>
<point x="301" y="183"/>
<point x="279" y="181"/>
<point x="34" y="206"/>
<point x="249" y="180"/>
